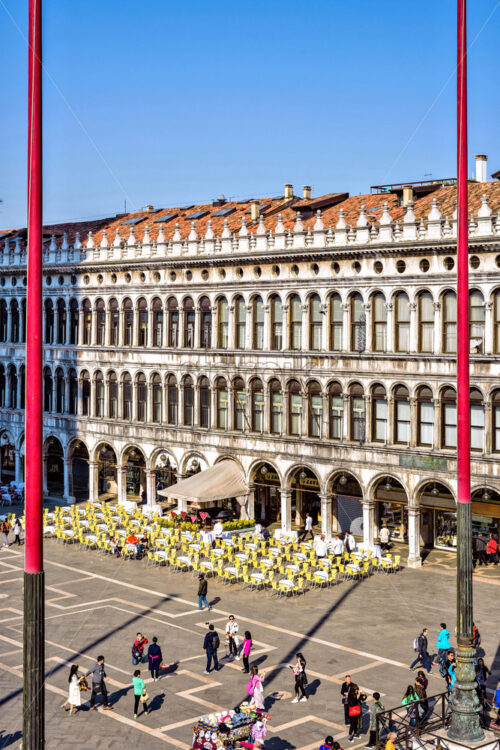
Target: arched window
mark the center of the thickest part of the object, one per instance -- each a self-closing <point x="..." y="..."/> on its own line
<point x="87" y="322"/>
<point x="295" y="322"/>
<point x="12" y="375"/>
<point x="336" y="406"/>
<point x="379" y="405"/>
<point x="240" y="314"/>
<point x="496" y="334"/>
<point x="60" y="391"/>
<point x="49" y="322"/>
<point x="476" y="321"/>
<point x="257" y="405"/>
<point x="315" y="323"/>
<point x="112" y="395"/>
<point x="61" y="321"/>
<point x="157" y="322"/>
<point x="379" y="314"/>
<point x="141" y="394"/>
<point x="495" y="403"/>
<point x="336" y="323"/>
<point x="189" y="322"/>
<point x="449" y="418"/>
<point x="142" y="312"/>
<point x="425" y="322"/>
<point x="449" y="322"/>
<point x="156" y="393"/>
<point x="223" y="323"/>
<point x="425" y="416"/>
<point x="47" y="389"/>
<point x="127" y="396"/>
<point x="476" y="420"/>
<point x="357" y="412"/>
<point x="99" y="394"/>
<point x="3" y="320"/>
<point x="315" y="409"/>
<point x="276" y="323"/>
<point x="173" y="322"/>
<point x="22" y="387"/>
<point x="402" y="415"/>
<point x="2" y="386"/>
<point x="23" y="327"/>
<point x="204" y="393"/>
<point x="239" y="404"/>
<point x="85" y="379"/>
<point x="188" y="400"/>
<point x="358" y="323"/>
<point x="276" y="406"/>
<point x="14" y="314"/>
<point x="221" y="396"/>
<point x="73" y="391"/>
<point x="402" y="322"/>
<point x="294" y="408"/>
<point x="73" y="322"/>
<point x="100" y="311"/>
<point x="258" y="323"/>
<point x="172" y="399"/>
<point x="206" y="323"/>
<point x="114" y="322"/>
<point x="128" y="322"/>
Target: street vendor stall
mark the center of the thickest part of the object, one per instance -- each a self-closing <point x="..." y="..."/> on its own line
<point x="224" y="728"/>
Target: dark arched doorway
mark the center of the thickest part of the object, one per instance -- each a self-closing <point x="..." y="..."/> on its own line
<point x="54" y="467"/>
<point x="79" y="456"/>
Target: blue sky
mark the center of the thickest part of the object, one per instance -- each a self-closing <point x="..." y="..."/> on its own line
<point x="187" y="100"/>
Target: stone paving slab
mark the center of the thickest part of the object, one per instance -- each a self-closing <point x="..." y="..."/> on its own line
<point x="97" y="604"/>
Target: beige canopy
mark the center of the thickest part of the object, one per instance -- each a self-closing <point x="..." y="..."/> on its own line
<point x="219" y="482"/>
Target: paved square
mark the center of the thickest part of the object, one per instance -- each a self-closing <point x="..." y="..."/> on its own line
<point x="96" y="604"/>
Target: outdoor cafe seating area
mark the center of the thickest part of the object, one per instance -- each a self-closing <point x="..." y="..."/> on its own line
<point x="282" y="567"/>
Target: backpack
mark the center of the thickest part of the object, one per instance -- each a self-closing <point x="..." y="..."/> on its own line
<point x="476" y="637"/>
<point x="136" y="654"/>
<point x="416" y="643"/>
<point x="250" y="686"/>
<point x="4" y="527"/>
<point x="443" y="669"/>
<point x="216" y="641"/>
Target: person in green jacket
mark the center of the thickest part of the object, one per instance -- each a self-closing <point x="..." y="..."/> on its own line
<point x="139" y="690"/>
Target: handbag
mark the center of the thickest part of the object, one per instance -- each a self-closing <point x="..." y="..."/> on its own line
<point x="250" y="689"/>
<point x="83" y="684"/>
<point x="144" y="697"/>
<point x="354" y="710"/>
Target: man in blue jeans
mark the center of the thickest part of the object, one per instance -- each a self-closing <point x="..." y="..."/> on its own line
<point x="202" y="592"/>
<point x="211" y="644"/>
<point x="422" y="652"/>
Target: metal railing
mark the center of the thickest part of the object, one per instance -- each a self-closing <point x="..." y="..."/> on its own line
<point x="411" y="721"/>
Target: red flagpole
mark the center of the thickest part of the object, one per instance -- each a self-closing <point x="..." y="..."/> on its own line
<point x="34" y="698"/>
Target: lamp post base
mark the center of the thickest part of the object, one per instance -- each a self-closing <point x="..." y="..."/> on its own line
<point x="34" y="662"/>
<point x="464" y="703"/>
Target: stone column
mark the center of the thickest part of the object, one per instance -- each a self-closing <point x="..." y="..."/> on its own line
<point x="438" y="328"/>
<point x="286" y="511"/>
<point x="180" y="399"/>
<point x="231" y="343"/>
<point x="121" y="327"/>
<point x="80" y="327"/>
<point x="335" y="513"/>
<point x="413" y="421"/>
<point x="18" y="466"/>
<point x="93" y="481"/>
<point x="346" y="338"/>
<point x="250" y="502"/>
<point x="67" y="332"/>
<point x="304" y="427"/>
<point x="390" y="428"/>
<point x="44" y="473"/>
<point x="488" y="428"/>
<point x="54" y="393"/>
<point x="68" y="483"/>
<point x="390" y="326"/>
<point x="285" y="417"/>
<point x="197" y="329"/>
<point x="107" y="414"/>
<point x="93" y="329"/>
<point x="213" y="408"/>
<point x="55" y="338"/>
<point x="437" y="424"/>
<point x="368" y="419"/>
<point x="325" y="416"/>
<point x="267" y="328"/>
<point x="180" y="332"/>
<point x="93" y="391"/>
<point x="214" y="334"/>
<point x="120" y="399"/>
<point x="413" y="327"/>
<point x="7" y="391"/>
<point x="151" y="487"/>
<point x="305" y="347"/>
<point x="368" y="521"/>
<point x="107" y="330"/>
<point x="149" y="403"/>
<point x="19" y="390"/>
<point x="414" y="558"/>
<point x="22" y="324"/>
<point x="368" y="327"/>
<point x="149" y="338"/>
<point x="249" y="328"/>
<point x="79" y="402"/>
<point x="325" y="326"/>
<point x="121" y="483"/>
<point x="488" y="329"/>
<point x="326" y="515"/>
<point x="345" y="418"/>
<point x="9" y="323"/>
<point x="66" y="394"/>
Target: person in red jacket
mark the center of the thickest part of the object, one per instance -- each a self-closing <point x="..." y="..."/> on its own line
<point x="492" y="550"/>
<point x="138" y="649"/>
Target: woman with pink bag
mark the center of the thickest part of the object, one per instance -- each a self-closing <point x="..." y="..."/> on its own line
<point x="254" y="688"/>
<point x="246" y="647"/>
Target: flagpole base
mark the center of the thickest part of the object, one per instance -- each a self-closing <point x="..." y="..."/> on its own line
<point x="34" y="662"/>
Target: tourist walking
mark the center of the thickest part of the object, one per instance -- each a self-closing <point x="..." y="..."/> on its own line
<point x="232" y="637"/>
<point x="376" y="707"/>
<point x="354" y="701"/>
<point x="481" y="543"/>
<point x="442" y="644"/>
<point x="344" y="690"/>
<point x="138" y="654"/>
<point x="384" y="536"/>
<point x="492" y="550"/>
<point x="422" y="652"/>
<point x="410" y="697"/>
<point x="98" y="684"/>
<point x="349" y="543"/>
<point x="482" y="674"/>
<point x="155" y="659"/>
<point x="140" y="694"/>
<point x="246" y="648"/>
<point x="17" y="528"/>
<point x="211" y="643"/>
<point x="5" y="528"/>
<point x="255" y="689"/>
<point x="202" y="592"/>
<point x="299" y="672"/>
<point x="308" y="528"/>
<point x="74" y="699"/>
<point x="444" y="668"/>
<point x="422" y="679"/>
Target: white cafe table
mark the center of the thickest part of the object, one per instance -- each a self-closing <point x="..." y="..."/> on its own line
<point x="99" y="515"/>
<point x="85" y="524"/>
<point x="121" y="532"/>
<point x="324" y="561"/>
<point x="161" y="554"/>
<point x="241" y="556"/>
<point x="50" y="515"/>
<point x="160" y="542"/>
<point x="274" y="551"/>
<point x="148" y="528"/>
<point x="81" y="511"/>
<point x="218" y="552"/>
<point x="69" y="533"/>
<point x="49" y="529"/>
<point x="91" y="538"/>
<point x="102" y="526"/>
<point x="286" y="583"/>
<point x="195" y="546"/>
<point x="207" y="565"/>
<point x="267" y="562"/>
<point x="300" y="556"/>
<point x="306" y="545"/>
<point x="259" y="577"/>
<point x="67" y="519"/>
<point x="293" y="568"/>
<point x="112" y="507"/>
<point x="184" y="560"/>
<point x="251" y="545"/>
<point x="232" y="570"/>
<point x="116" y="518"/>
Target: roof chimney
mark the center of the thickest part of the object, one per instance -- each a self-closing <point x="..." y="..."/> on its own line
<point x="481" y="167"/>
<point x="255" y="210"/>
<point x="407" y="194"/>
<point x="150" y="208"/>
<point x="288" y="192"/>
<point x="306" y="192"/>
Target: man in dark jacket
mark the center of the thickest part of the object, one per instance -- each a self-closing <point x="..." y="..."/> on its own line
<point x="343" y="692"/>
<point x="210" y="644"/>
<point x="98" y="684"/>
<point x="422" y="652"/>
<point x="481" y="542"/>
<point x="202" y="592"/>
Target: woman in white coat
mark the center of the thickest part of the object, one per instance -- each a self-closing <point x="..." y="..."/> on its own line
<point x="74" y="698"/>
